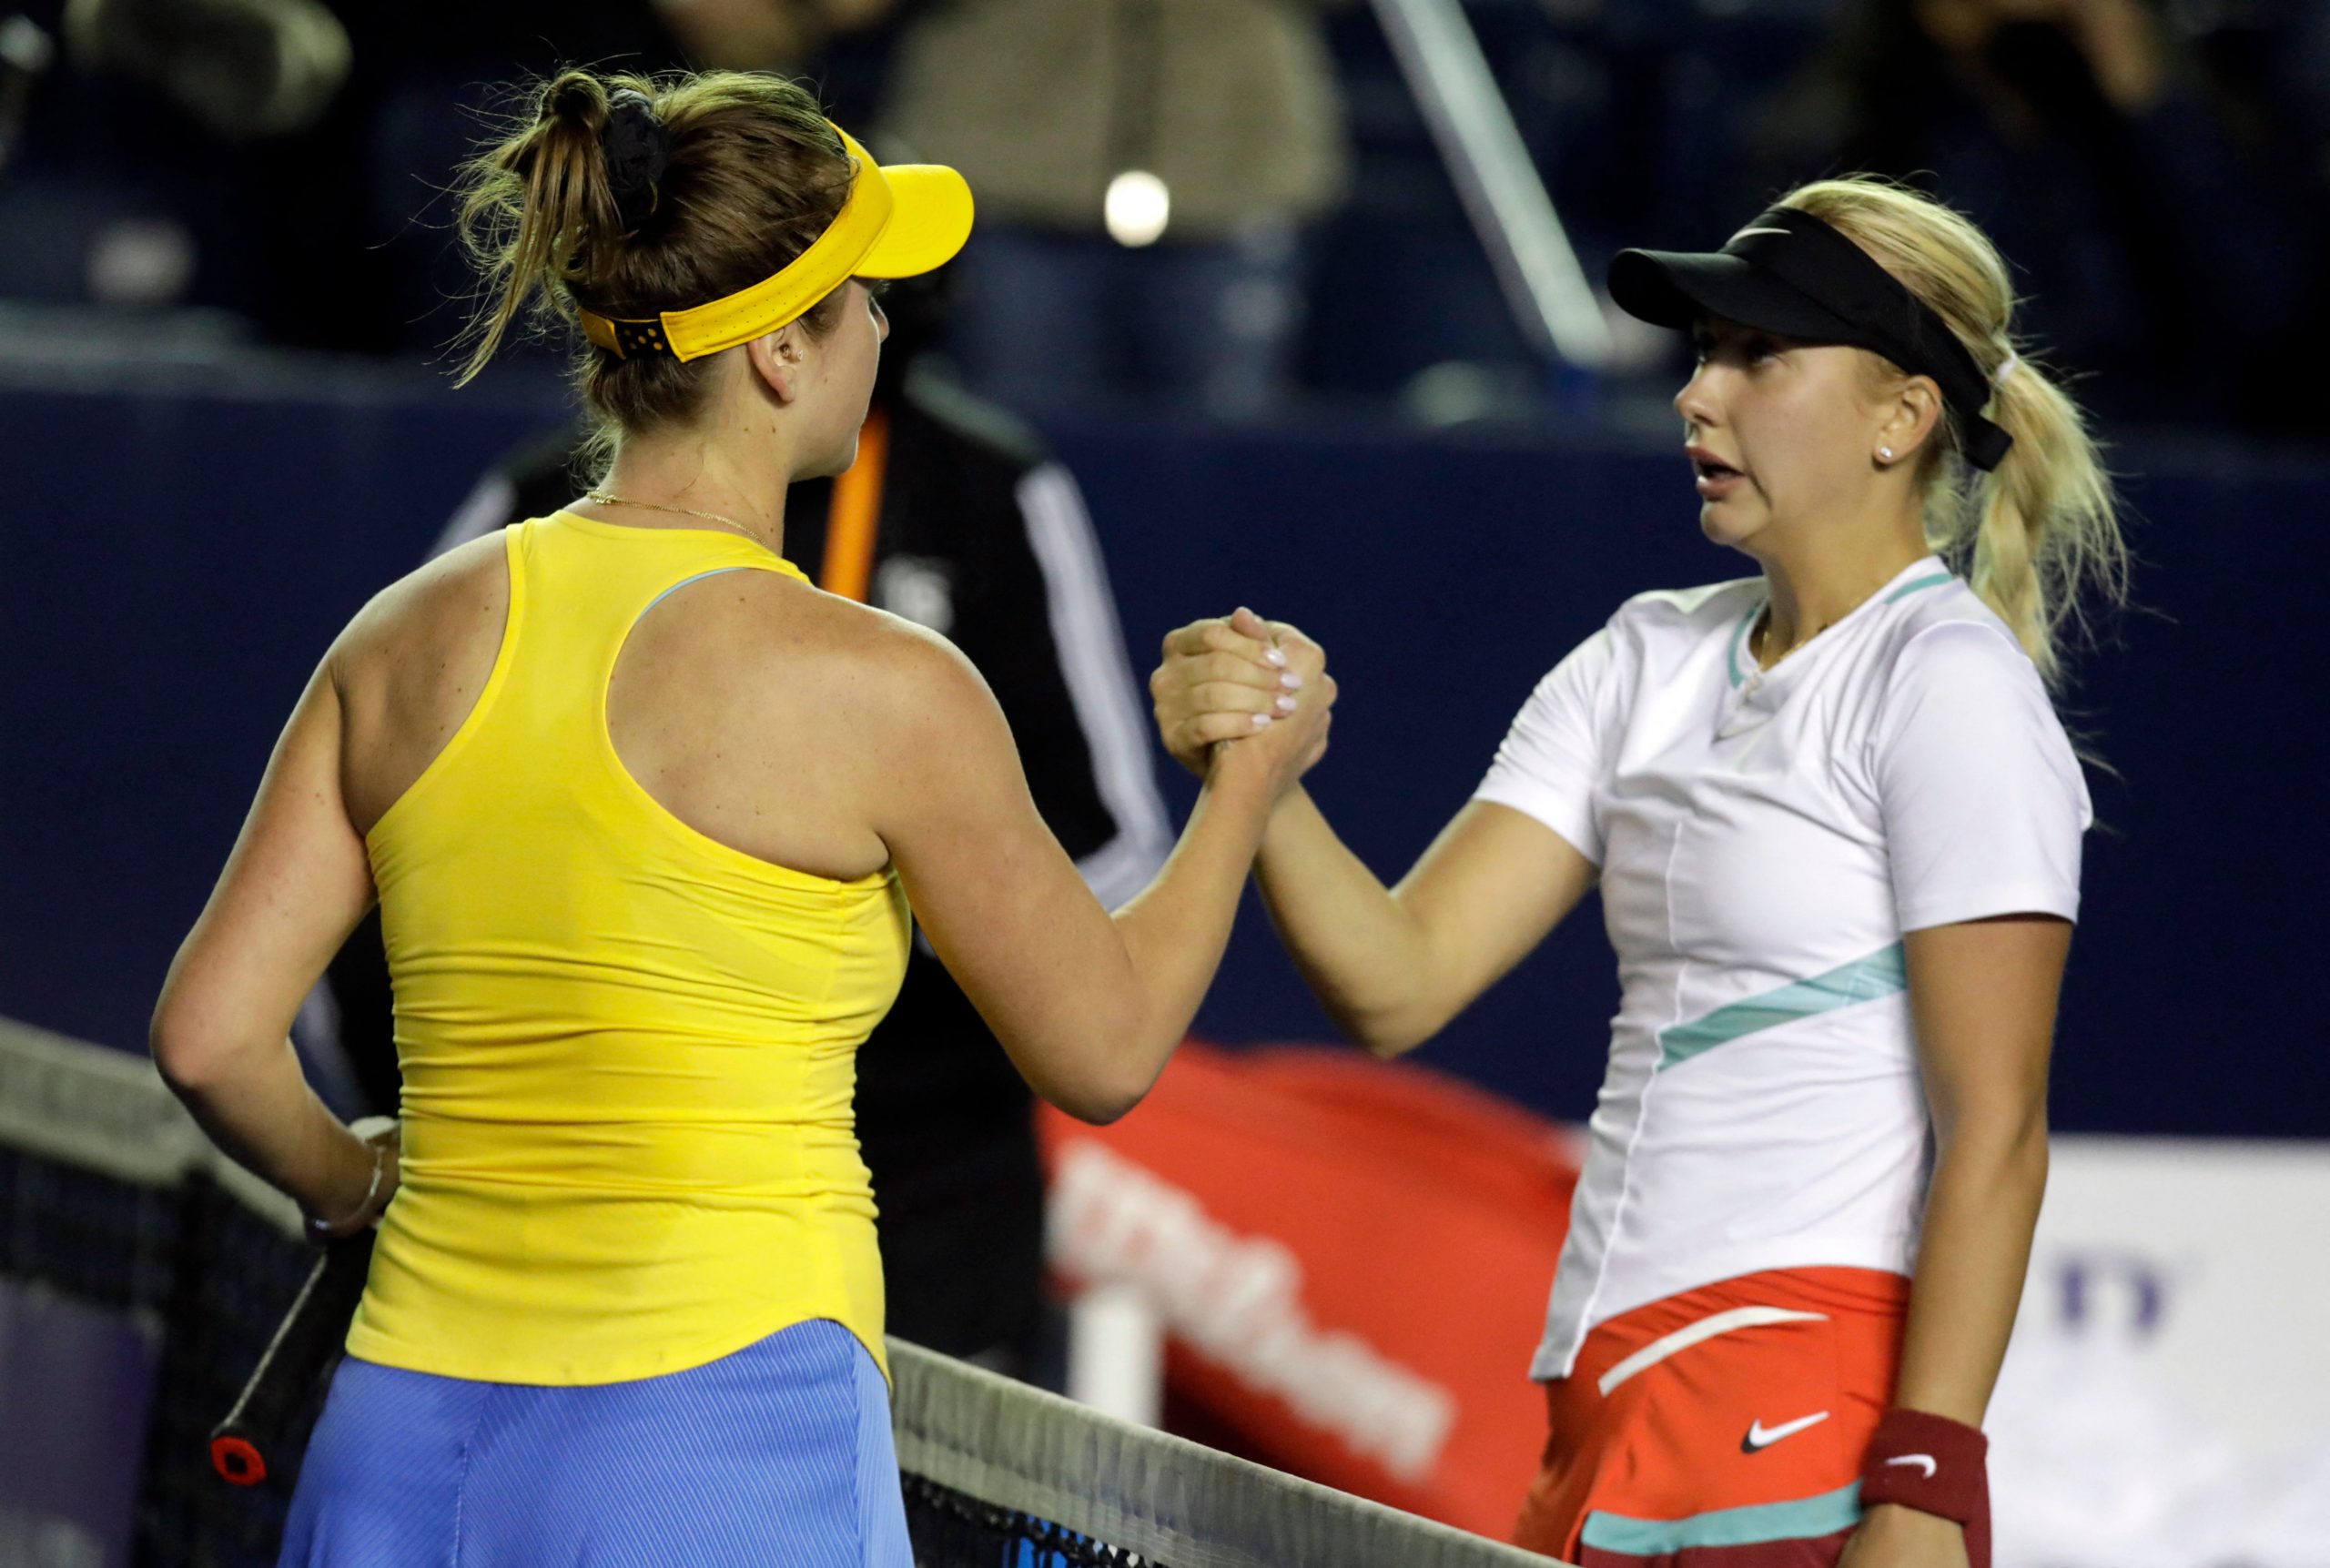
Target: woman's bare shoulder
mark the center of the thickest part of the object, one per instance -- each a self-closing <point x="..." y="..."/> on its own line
<point x="812" y="690"/>
<point x="459" y="595"/>
<point x="884" y="660"/>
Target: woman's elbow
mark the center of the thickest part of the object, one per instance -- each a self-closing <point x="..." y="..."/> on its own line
<point x="184" y="1058"/>
<point x="1095" y="1110"/>
<point x="1385" y="1045"/>
<point x="1389" y="1032"/>
<point x="191" y="1054"/>
<point x="1099" y="1099"/>
<point x="1094" y="1086"/>
<point x="2011" y="1139"/>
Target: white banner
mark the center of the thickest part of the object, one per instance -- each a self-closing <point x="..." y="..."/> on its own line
<point x="2166" y="1402"/>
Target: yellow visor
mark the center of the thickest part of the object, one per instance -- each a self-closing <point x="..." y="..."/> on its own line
<point x="897" y="222"/>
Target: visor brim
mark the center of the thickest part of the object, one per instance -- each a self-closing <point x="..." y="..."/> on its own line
<point x="1676" y="288"/>
<point x="930" y="218"/>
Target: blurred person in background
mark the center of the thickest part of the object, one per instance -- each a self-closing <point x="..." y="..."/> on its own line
<point x="155" y="169"/>
<point x="157" y="160"/>
<point x="134" y="122"/>
<point x="1836" y="823"/>
<point x="2168" y="237"/>
<point x="765" y="35"/>
<point x="956" y="518"/>
<point x="27" y="51"/>
<point x="1147" y="170"/>
<point x="414" y="111"/>
<point x="643" y="813"/>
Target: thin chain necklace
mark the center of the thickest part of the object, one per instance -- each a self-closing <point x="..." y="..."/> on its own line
<point x="603" y="499"/>
<point x="1759" y="642"/>
<point x="1759" y="637"/>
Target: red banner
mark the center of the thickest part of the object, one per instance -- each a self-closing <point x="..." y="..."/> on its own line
<point x="1352" y="1258"/>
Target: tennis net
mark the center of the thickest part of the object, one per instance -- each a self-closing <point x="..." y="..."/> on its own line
<point x="142" y="1275"/>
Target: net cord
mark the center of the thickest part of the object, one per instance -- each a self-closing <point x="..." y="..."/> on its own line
<point x="1141" y="1490"/>
<point x="109" y="1112"/>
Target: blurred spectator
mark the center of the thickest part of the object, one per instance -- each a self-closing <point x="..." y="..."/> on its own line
<point x="133" y="152"/>
<point x="2272" y="58"/>
<point x="2165" y="254"/>
<point x="25" y="52"/>
<point x="370" y="181"/>
<point x="370" y="177"/>
<point x="1144" y="170"/>
<point x="958" y="519"/>
<point x="281" y="159"/>
<point x="244" y="69"/>
<point x="764" y="35"/>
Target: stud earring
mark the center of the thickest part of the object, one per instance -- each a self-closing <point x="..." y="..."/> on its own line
<point x="1886" y="453"/>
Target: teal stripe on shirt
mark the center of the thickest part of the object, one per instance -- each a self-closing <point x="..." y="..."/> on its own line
<point x="1805" y="1519"/>
<point x="1881" y="974"/>
<point x="1731" y="656"/>
<point x="1935" y="581"/>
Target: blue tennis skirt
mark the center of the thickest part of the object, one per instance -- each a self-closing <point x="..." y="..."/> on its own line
<point x="778" y="1454"/>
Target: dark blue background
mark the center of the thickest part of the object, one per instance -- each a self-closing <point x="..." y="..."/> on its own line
<point x="180" y="547"/>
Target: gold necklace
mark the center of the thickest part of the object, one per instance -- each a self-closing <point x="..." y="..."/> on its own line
<point x="1759" y="637"/>
<point x="603" y="499"/>
<point x="1759" y="645"/>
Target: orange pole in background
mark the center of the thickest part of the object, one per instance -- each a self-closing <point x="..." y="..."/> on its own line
<point x="856" y="514"/>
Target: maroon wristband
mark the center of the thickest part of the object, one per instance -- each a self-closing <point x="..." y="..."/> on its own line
<point x="1934" y="1465"/>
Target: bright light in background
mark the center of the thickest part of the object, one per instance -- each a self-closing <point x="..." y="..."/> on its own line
<point x="1138" y="208"/>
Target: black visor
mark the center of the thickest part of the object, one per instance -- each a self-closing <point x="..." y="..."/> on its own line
<point x="1791" y="274"/>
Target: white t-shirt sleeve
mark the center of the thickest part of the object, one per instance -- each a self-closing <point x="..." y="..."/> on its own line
<point x="1982" y="799"/>
<point x="1555" y="754"/>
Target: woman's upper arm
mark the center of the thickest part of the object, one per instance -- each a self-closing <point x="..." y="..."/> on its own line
<point x="1561" y="744"/>
<point x="1983" y="807"/>
<point x="295" y="884"/>
<point x="1982" y="995"/>
<point x="998" y="899"/>
<point x="1981" y="799"/>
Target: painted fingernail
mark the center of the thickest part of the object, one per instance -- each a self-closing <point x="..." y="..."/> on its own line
<point x="1262" y="721"/>
<point x="1290" y="681"/>
<point x="1273" y="656"/>
<point x="1286" y="704"/>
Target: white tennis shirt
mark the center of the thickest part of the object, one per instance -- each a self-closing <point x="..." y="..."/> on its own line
<point x="1765" y="838"/>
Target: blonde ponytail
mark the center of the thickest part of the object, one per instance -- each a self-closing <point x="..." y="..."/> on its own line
<point x="2040" y="534"/>
<point x="2044" y="523"/>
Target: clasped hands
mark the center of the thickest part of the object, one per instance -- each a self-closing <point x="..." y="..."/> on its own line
<point x="1243" y="684"/>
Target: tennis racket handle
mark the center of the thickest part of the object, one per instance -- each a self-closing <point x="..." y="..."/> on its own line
<point x="251" y="1440"/>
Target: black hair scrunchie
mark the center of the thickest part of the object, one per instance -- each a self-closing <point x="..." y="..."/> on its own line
<point x="637" y="144"/>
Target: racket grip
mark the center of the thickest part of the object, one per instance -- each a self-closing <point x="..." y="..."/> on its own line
<point x="251" y="1442"/>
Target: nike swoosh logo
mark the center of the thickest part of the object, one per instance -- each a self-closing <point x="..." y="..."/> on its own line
<point x="1925" y="1459"/>
<point x="1760" y="1437"/>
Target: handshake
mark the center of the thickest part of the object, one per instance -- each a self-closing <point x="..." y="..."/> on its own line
<point x="1241" y="691"/>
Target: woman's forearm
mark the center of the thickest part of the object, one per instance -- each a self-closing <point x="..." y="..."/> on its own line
<point x="256" y="1104"/>
<point x="1175" y="931"/>
<point x="1363" y="953"/>
<point x="1981" y="1212"/>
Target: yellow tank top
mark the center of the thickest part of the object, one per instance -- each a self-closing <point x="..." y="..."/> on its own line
<point x="629" y="1050"/>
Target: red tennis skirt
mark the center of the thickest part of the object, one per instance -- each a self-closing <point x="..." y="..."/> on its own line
<point x="1721" y="1428"/>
